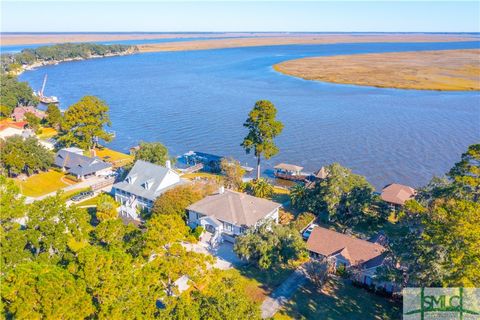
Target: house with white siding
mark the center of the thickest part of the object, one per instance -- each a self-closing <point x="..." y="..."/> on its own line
<point x="143" y="184"/>
<point x="228" y="214"/>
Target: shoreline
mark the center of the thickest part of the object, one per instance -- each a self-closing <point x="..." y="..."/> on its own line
<point x="439" y="70"/>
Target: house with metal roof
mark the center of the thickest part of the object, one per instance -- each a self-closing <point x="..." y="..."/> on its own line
<point x="143" y="184"/>
<point x="228" y="214"/>
<point x="79" y="165"/>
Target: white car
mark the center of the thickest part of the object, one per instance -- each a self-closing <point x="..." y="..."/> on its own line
<point x="308" y="231"/>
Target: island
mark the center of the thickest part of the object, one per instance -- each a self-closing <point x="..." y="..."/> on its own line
<point x="449" y="70"/>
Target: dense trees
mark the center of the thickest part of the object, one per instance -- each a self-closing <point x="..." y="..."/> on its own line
<point x="233" y="173"/>
<point x="14" y="93"/>
<point x="60" y="52"/>
<point x="223" y="298"/>
<point x="106" y="207"/>
<point x="84" y="123"/>
<point x="260" y="188"/>
<point x="53" y="116"/>
<point x="174" y="201"/>
<point x="20" y="155"/>
<point x="153" y="152"/>
<point x="270" y="245"/>
<point x="40" y="290"/>
<point x="441" y="247"/>
<point x="345" y="197"/>
<point x="58" y="265"/>
<point x="262" y="127"/>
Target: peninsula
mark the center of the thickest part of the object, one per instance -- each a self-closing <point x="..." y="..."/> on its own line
<point x="300" y="39"/>
<point x="449" y="70"/>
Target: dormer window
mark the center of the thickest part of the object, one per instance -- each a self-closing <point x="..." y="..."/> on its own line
<point x="148" y="184"/>
<point x="131" y="179"/>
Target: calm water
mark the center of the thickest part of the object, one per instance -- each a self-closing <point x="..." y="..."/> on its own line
<point x="198" y="100"/>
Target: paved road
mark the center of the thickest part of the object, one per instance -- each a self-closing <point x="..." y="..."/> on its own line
<point x="283" y="293"/>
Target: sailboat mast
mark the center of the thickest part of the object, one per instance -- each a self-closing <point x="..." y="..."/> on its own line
<point x="44" y="83"/>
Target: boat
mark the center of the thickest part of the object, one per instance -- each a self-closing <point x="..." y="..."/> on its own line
<point x="45" y="99"/>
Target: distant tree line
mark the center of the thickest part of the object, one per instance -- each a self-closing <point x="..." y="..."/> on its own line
<point x="59" y="52"/>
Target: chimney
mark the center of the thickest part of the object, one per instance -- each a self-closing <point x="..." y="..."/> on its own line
<point x="221" y="190"/>
<point x="168" y="164"/>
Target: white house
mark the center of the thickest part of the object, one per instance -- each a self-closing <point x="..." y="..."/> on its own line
<point x="81" y="166"/>
<point x="227" y="214"/>
<point x="143" y="184"/>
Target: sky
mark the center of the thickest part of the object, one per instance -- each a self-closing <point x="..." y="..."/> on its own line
<point x="198" y="16"/>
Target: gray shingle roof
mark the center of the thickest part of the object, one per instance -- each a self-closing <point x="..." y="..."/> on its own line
<point x="235" y="207"/>
<point x="78" y="164"/>
<point x="145" y="180"/>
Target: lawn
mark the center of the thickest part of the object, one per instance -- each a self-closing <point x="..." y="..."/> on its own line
<point x="338" y="300"/>
<point x="47" y="133"/>
<point x="206" y="175"/>
<point x="42" y="183"/>
<point x="118" y="159"/>
<point x="263" y="282"/>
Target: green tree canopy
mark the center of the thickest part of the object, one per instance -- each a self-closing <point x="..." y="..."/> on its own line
<point x="466" y="174"/>
<point x="176" y="200"/>
<point x="20" y="155"/>
<point x="14" y="93"/>
<point x="270" y="244"/>
<point x="106" y="207"/>
<point x="260" y="188"/>
<point x="33" y="121"/>
<point x="233" y="173"/>
<point x="53" y="116"/>
<point x="39" y="290"/>
<point x="84" y="123"/>
<point x="262" y="127"/>
<point x="153" y="152"/>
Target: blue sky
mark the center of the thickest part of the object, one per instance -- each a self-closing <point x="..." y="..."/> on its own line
<point x="163" y="16"/>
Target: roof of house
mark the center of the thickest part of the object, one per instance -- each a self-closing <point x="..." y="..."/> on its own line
<point x="20" y="112"/>
<point x="15" y="125"/>
<point x="397" y="193"/>
<point x="329" y="243"/>
<point x="321" y="173"/>
<point x="78" y="164"/>
<point x="288" y="167"/>
<point x="145" y="173"/>
<point x="234" y="207"/>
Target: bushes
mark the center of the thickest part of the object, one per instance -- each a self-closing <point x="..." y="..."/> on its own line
<point x="197" y="232"/>
<point x="303" y="220"/>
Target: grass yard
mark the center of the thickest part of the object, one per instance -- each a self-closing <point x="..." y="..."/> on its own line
<point x="118" y="159"/>
<point x="206" y="175"/>
<point x="338" y="300"/>
<point x="47" y="133"/>
<point x="262" y="282"/>
<point x="42" y="183"/>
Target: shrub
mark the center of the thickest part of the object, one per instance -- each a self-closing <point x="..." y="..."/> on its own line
<point x="303" y="220"/>
<point x="197" y="232"/>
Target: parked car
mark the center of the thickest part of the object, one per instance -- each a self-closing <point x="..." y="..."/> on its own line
<point x="308" y="231"/>
<point x="82" y="195"/>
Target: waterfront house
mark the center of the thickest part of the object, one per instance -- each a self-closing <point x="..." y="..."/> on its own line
<point x="361" y="257"/>
<point x="19" y="113"/>
<point x="143" y="184"/>
<point x="10" y="130"/>
<point x="397" y="194"/>
<point x="80" y="166"/>
<point x="320" y="174"/>
<point x="228" y="214"/>
<point x="288" y="172"/>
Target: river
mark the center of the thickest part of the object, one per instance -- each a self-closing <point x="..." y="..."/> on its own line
<point x="198" y="100"/>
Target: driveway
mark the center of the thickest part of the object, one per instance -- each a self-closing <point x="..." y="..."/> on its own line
<point x="283" y="293"/>
<point x="224" y="254"/>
